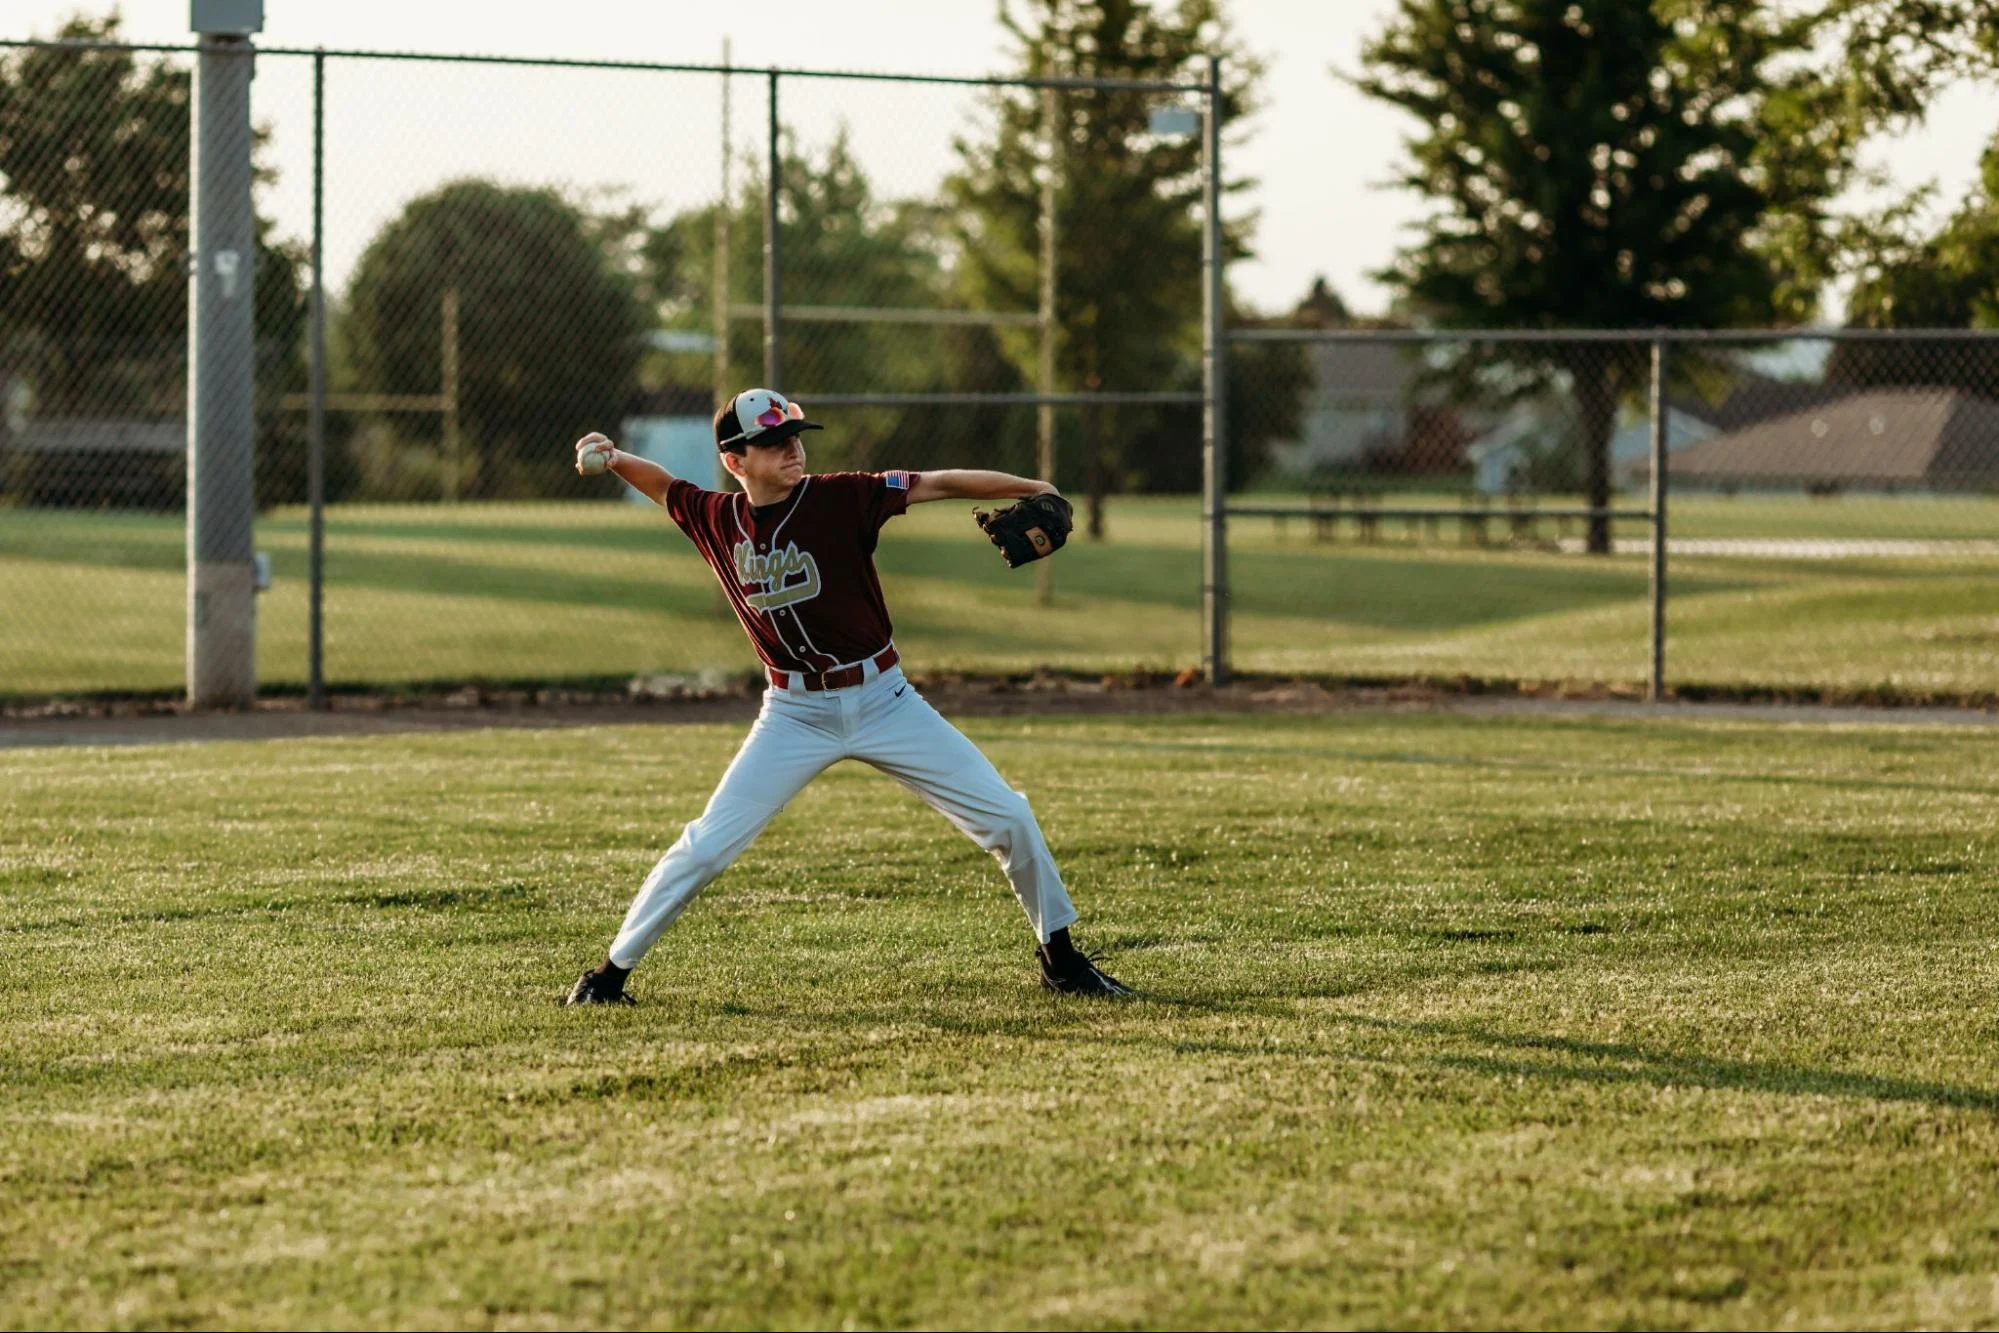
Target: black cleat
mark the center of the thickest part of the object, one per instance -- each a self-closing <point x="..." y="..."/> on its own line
<point x="1066" y="970"/>
<point x="602" y="984"/>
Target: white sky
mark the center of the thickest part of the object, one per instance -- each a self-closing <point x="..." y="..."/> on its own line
<point x="1318" y="151"/>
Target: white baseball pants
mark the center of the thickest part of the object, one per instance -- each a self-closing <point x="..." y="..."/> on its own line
<point x="884" y="722"/>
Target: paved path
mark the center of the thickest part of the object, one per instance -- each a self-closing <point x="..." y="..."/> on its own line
<point x="1801" y="714"/>
<point x="1800" y="548"/>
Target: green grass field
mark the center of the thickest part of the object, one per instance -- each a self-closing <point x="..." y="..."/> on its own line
<point x="1451" y="1022"/>
<point x="551" y="592"/>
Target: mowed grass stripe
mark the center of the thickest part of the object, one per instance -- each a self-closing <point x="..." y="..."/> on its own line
<point x="1450" y="1021"/>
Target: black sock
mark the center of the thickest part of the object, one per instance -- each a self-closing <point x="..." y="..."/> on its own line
<point x="1058" y="944"/>
<point x="607" y="968"/>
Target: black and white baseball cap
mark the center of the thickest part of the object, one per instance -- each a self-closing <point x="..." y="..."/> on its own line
<point x="759" y="416"/>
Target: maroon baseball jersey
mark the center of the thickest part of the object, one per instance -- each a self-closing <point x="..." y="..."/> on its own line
<point x="801" y="573"/>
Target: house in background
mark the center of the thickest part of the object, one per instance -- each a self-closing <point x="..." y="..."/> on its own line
<point x="1358" y="406"/>
<point x="1873" y="440"/>
<point x="1631" y="443"/>
<point x="1501" y="456"/>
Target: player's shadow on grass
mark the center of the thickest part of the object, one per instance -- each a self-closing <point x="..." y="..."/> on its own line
<point x="1279" y="999"/>
<point x="1609" y="1063"/>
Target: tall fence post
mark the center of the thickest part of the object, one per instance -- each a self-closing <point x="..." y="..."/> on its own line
<point x="1655" y="687"/>
<point x="719" y="281"/>
<point x="773" y="362"/>
<point x="1044" y="413"/>
<point x="221" y="380"/>
<point x="1214" y="433"/>
<point x="720" y="290"/>
<point x="315" y="427"/>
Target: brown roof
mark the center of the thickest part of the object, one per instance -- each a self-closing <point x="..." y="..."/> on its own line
<point x="1753" y="398"/>
<point x="1936" y="437"/>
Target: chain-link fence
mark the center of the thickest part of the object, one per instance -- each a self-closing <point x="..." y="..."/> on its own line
<point x="515" y="252"/>
<point x="999" y="273"/>
<point x="1481" y="505"/>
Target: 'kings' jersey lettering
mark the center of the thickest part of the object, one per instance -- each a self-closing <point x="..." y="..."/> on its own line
<point x="773" y="572"/>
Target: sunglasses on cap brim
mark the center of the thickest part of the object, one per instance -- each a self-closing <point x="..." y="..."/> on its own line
<point x="776" y="416"/>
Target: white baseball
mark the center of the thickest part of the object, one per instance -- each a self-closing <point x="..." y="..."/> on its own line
<point x="595" y="457"/>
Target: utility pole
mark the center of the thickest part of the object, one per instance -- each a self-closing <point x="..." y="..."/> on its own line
<point x="1214" y="417"/>
<point x="221" y="363"/>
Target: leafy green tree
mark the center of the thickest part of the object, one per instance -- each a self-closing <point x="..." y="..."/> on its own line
<point x="1128" y="208"/>
<point x="1911" y="278"/>
<point x="841" y="245"/>
<point x="549" y="329"/>
<point x="1886" y="58"/>
<point x="94" y="239"/>
<point x="1894" y="54"/>
<point x="1607" y="164"/>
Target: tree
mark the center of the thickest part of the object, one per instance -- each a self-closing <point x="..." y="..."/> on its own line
<point x="1322" y="308"/>
<point x="1128" y="207"/>
<point x="93" y="286"/>
<point x="549" y="329"/>
<point x="1895" y="54"/>
<point x="1947" y="278"/>
<point x="1607" y="164"/>
<point x="842" y="245"/>
<point x="1887" y="57"/>
<point x="94" y="239"/>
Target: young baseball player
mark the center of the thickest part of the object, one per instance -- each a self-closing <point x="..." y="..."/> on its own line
<point x="795" y="554"/>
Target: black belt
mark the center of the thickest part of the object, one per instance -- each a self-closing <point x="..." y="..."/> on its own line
<point x="837" y="679"/>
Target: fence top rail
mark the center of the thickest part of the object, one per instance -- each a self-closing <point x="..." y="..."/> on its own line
<point x="861" y="314"/>
<point x="1438" y="335"/>
<point x="1476" y="513"/>
<point x="665" y="67"/>
<point x="1103" y="399"/>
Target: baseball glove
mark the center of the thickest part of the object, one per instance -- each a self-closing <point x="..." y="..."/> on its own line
<point x="1028" y="529"/>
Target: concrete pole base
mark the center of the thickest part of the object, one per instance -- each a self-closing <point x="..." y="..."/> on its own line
<point x="222" y="634"/>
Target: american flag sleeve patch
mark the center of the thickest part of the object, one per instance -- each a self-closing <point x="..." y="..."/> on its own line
<point x="897" y="481"/>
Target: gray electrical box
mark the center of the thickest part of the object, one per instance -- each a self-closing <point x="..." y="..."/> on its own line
<point x="226" y="18"/>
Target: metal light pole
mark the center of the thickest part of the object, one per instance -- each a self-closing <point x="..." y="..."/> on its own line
<point x="221" y="361"/>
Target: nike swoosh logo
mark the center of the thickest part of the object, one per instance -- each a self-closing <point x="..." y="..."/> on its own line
<point x="899" y="689"/>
